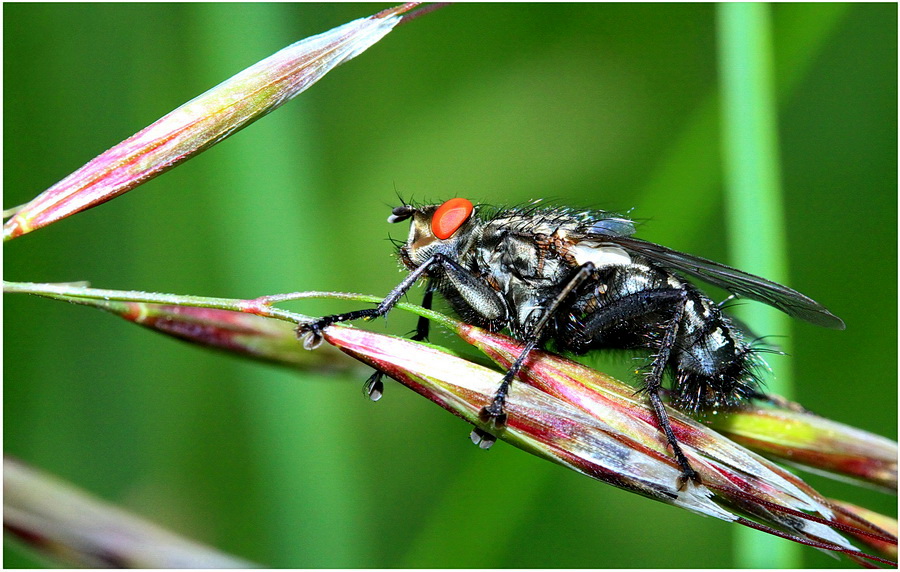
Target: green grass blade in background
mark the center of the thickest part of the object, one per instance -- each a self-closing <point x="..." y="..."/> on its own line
<point x="291" y="419"/>
<point x="688" y="174"/>
<point x="753" y="204"/>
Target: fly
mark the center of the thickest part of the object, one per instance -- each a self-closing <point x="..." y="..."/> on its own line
<point x="579" y="281"/>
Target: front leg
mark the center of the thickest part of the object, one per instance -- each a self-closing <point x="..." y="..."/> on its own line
<point x="475" y="292"/>
<point x="312" y="331"/>
<point x="374" y="386"/>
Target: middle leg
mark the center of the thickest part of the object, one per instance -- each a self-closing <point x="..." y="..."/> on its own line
<point x="494" y="414"/>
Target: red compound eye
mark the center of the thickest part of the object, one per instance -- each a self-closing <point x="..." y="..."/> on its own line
<point x="449" y="217"/>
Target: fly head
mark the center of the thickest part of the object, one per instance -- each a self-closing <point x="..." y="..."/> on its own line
<point x="435" y="229"/>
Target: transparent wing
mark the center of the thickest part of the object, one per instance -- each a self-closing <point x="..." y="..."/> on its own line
<point x="612" y="226"/>
<point x="789" y="301"/>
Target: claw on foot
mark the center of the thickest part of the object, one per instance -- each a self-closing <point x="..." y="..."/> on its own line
<point x="688" y="474"/>
<point x="312" y="341"/>
<point x="482" y="438"/>
<point x="374" y="387"/>
<point x="493" y="415"/>
<point x="311" y="334"/>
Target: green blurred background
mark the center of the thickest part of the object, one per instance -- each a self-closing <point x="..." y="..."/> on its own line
<point x="613" y="106"/>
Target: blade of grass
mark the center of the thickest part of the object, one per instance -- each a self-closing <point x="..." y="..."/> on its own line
<point x="589" y="422"/>
<point x="692" y="160"/>
<point x="754" y="210"/>
<point x="596" y="394"/>
<point x="284" y="448"/>
<point x="202" y="122"/>
<point x="70" y="526"/>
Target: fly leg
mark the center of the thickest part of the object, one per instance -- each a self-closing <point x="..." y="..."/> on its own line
<point x="653" y="382"/>
<point x="479" y="295"/>
<point x="483" y="299"/>
<point x="423" y="325"/>
<point x="312" y="331"/>
<point x="494" y="414"/>
<point x="635" y="306"/>
<point x="374" y="386"/>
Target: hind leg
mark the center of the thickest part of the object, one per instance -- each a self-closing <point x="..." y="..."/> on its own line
<point x="619" y="312"/>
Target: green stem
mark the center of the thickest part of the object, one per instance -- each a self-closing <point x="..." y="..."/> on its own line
<point x="753" y="201"/>
<point x="260" y="306"/>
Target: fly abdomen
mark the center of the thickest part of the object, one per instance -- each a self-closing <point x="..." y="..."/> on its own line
<point x="715" y="370"/>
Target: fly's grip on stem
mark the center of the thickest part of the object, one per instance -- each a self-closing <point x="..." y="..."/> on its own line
<point x="311" y="332"/>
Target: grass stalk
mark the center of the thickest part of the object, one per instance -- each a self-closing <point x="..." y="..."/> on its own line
<point x="753" y="204"/>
